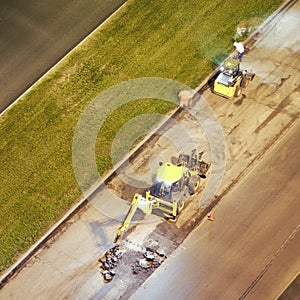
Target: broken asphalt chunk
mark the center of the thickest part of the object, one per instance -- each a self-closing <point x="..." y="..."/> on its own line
<point x="144" y="263"/>
<point x="149" y="255"/>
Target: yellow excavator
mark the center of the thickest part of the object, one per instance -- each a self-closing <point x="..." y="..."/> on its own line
<point x="173" y="184"/>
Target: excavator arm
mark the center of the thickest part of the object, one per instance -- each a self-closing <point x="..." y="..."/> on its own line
<point x="138" y="201"/>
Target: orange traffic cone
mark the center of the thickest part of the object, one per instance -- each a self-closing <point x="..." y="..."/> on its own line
<point x="211" y="216"/>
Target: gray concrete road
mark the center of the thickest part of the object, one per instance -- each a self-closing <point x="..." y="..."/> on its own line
<point x="67" y="268"/>
<point x="251" y="249"/>
<point x="34" y="35"/>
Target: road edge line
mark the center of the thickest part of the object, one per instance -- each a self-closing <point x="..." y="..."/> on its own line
<point x="17" y="266"/>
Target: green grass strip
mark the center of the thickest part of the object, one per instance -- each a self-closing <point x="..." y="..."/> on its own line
<point x="175" y="39"/>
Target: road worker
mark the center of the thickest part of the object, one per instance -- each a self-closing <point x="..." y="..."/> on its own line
<point x="240" y="50"/>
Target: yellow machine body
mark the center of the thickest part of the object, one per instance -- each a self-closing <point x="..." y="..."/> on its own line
<point x="231" y="79"/>
<point x="172" y="185"/>
<point x="224" y="87"/>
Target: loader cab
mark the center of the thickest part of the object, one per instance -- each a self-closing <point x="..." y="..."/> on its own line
<point x="230" y="67"/>
<point x="228" y="81"/>
<point x="229" y="71"/>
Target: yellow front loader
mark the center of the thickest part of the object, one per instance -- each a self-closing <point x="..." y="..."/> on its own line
<point x="231" y="79"/>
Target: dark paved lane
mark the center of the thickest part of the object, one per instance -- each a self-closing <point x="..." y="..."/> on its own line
<point x="251" y="250"/>
<point x="34" y="35"/>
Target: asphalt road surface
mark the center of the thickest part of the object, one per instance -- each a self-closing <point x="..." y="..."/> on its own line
<point x="251" y="249"/>
<point x="34" y="35"/>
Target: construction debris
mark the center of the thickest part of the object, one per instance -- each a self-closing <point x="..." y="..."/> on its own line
<point x="147" y="259"/>
<point x="161" y="252"/>
<point x="108" y="262"/>
<point x="152" y="259"/>
<point x="144" y="263"/>
<point x="149" y="255"/>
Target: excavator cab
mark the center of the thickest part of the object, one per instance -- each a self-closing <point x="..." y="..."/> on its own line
<point x="168" y="180"/>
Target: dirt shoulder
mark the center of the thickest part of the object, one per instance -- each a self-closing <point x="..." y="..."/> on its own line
<point x="251" y="125"/>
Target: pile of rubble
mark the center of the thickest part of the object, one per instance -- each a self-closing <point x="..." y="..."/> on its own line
<point x="151" y="259"/>
<point x="108" y="262"/>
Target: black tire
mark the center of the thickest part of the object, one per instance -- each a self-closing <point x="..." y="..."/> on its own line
<point x="245" y="82"/>
<point x="179" y="198"/>
<point x="194" y="184"/>
<point x="155" y="190"/>
<point x="237" y="92"/>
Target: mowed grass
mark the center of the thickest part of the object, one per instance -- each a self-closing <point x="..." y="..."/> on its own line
<point x="180" y="40"/>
